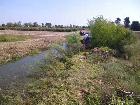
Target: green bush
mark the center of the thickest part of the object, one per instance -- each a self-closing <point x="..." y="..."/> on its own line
<point x="74" y="44"/>
<point x="106" y="33"/>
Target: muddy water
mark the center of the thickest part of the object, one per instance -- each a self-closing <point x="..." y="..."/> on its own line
<point x="16" y="73"/>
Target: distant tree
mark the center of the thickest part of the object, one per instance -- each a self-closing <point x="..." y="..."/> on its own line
<point x="59" y="26"/>
<point x="42" y="24"/>
<point x="62" y="26"/>
<point x="10" y="24"/>
<point x="56" y="26"/>
<point x="74" y="26"/>
<point x="49" y="25"/>
<point x="118" y="21"/>
<point x="3" y="25"/>
<point x="135" y="26"/>
<point x="83" y="27"/>
<point x="28" y="24"/>
<point x="70" y="25"/>
<point x="126" y="22"/>
<point x="35" y="24"/>
<point x="19" y="24"/>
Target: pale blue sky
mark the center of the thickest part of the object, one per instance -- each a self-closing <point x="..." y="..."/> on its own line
<point x="67" y="11"/>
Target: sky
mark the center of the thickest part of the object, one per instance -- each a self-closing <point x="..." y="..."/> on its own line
<point x="67" y="12"/>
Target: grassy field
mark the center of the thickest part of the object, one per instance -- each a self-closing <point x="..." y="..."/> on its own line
<point x="81" y="78"/>
<point x="76" y="76"/>
<point x="13" y="38"/>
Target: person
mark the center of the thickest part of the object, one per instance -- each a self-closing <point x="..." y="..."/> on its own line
<point x="86" y="40"/>
<point x="81" y="33"/>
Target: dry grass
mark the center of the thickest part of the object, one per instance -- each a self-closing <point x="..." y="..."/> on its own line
<point x="13" y="50"/>
<point x="137" y="34"/>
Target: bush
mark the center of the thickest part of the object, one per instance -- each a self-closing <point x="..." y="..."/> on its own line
<point x="74" y="43"/>
<point x="105" y="33"/>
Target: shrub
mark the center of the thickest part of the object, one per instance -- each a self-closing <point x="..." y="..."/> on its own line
<point x="105" y="33"/>
<point x="74" y="43"/>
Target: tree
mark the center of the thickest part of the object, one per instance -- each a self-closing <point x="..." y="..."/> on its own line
<point x="118" y="20"/>
<point x="3" y="25"/>
<point x="42" y="24"/>
<point x="28" y="24"/>
<point x="35" y="24"/>
<point x="56" y="26"/>
<point x="126" y="22"/>
<point x="19" y="24"/>
<point x="135" y="26"/>
<point x="10" y="24"/>
<point x="104" y="33"/>
<point x="49" y="25"/>
<point x="70" y="25"/>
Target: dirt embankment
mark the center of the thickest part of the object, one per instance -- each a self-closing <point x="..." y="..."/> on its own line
<point x="39" y="40"/>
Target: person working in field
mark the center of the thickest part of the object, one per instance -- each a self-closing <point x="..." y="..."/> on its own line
<point x="86" y="41"/>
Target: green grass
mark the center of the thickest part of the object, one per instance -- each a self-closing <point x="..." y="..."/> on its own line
<point x="133" y="52"/>
<point x="34" y="52"/>
<point x="81" y="83"/>
<point x="74" y="80"/>
<point x="12" y="38"/>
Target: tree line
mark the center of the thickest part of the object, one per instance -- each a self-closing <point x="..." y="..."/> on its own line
<point x="135" y="25"/>
<point x="39" y="27"/>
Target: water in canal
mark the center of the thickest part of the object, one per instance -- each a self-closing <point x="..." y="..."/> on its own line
<point x="16" y="73"/>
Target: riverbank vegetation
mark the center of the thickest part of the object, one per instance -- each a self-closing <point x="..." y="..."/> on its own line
<point x="71" y="75"/>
